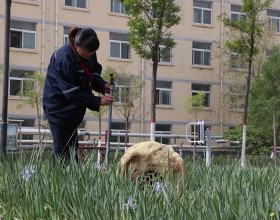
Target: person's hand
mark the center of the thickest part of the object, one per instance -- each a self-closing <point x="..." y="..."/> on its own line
<point x="106" y="100"/>
<point x="107" y="87"/>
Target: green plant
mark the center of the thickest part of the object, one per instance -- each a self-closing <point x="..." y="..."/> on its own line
<point x="34" y="189"/>
<point x="259" y="141"/>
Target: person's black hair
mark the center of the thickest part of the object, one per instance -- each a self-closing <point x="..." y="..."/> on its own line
<point x="84" y="37"/>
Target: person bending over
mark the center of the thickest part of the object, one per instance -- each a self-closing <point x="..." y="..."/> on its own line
<point x="73" y="72"/>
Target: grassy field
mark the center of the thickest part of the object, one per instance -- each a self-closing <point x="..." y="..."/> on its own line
<point x="31" y="188"/>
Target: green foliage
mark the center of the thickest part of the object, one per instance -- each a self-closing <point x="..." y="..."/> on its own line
<point x="265" y="93"/>
<point x="250" y="30"/>
<point x="33" y="91"/>
<point x="151" y="30"/>
<point x="195" y="103"/>
<point x="106" y="76"/>
<point x="259" y="140"/>
<point x="84" y="192"/>
<point x="127" y="93"/>
<point x="149" y="24"/>
<point x="197" y="100"/>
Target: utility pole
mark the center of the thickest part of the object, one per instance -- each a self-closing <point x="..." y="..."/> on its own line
<point x="5" y="81"/>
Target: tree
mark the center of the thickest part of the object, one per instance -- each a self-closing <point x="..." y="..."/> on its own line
<point x="127" y="93"/>
<point x="149" y="24"/>
<point x="259" y="140"/>
<point x="249" y="33"/>
<point x="32" y="96"/>
<point x="264" y="100"/>
<point x="194" y="104"/>
<point x="103" y="109"/>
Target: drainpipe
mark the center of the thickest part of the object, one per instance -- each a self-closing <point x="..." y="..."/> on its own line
<point x="143" y="70"/>
<point x="43" y="37"/>
<point x="221" y="70"/>
<point x="56" y="21"/>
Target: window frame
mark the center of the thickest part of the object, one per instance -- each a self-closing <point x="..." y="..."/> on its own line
<point x="203" y="54"/>
<point x="238" y="13"/>
<point x="159" y="94"/>
<point x="207" y="93"/>
<point x="120" y="98"/>
<point x="75" y="3"/>
<point x="202" y="9"/>
<point x="121" y="9"/>
<point x="239" y="65"/>
<point x="120" y="49"/>
<point x="271" y="23"/>
<point x="163" y="140"/>
<point x="21" y="79"/>
<point x="119" y="139"/>
<point x="22" y="31"/>
<point x="65" y="36"/>
<point x="236" y="96"/>
<point x="162" y="57"/>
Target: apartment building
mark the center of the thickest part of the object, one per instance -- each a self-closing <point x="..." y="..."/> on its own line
<point x="39" y="27"/>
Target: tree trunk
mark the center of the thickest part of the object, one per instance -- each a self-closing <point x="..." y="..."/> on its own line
<point x="274" y="139"/>
<point x="153" y="99"/>
<point x="39" y="119"/>
<point x="245" y="117"/>
<point x="126" y="132"/>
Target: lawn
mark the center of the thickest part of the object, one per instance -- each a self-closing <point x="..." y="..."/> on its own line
<point x="31" y="188"/>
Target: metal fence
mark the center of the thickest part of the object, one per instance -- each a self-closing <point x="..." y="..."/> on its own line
<point x="89" y="139"/>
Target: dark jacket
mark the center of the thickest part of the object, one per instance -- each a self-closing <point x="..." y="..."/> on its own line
<point x="67" y="92"/>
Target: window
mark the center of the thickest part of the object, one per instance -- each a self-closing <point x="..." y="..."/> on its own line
<point x="165" y="54"/>
<point x="76" y="3"/>
<point x="237" y="96"/>
<point x="26" y="123"/>
<point x="163" y="92"/>
<point x="201" y="53"/>
<point x="268" y="52"/>
<point x="119" y="46"/>
<point x="117" y="7"/>
<point x="118" y="127"/>
<point x="23" y="35"/>
<point x="18" y="81"/>
<point x="202" y="12"/>
<point x="204" y="88"/>
<point x="236" y="14"/>
<point x="237" y="62"/>
<point x="122" y="94"/>
<point x="163" y="129"/>
<point x="274" y="19"/>
<point x="65" y="34"/>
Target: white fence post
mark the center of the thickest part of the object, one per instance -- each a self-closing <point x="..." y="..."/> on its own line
<point x="208" y="147"/>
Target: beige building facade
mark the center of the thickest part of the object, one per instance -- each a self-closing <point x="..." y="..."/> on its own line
<point x="39" y="27"/>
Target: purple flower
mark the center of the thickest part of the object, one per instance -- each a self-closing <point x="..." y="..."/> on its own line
<point x="97" y="166"/>
<point x="158" y="186"/>
<point x="130" y="204"/>
<point x="27" y="173"/>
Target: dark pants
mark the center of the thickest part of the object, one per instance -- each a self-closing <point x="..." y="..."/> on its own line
<point x="65" y="141"/>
